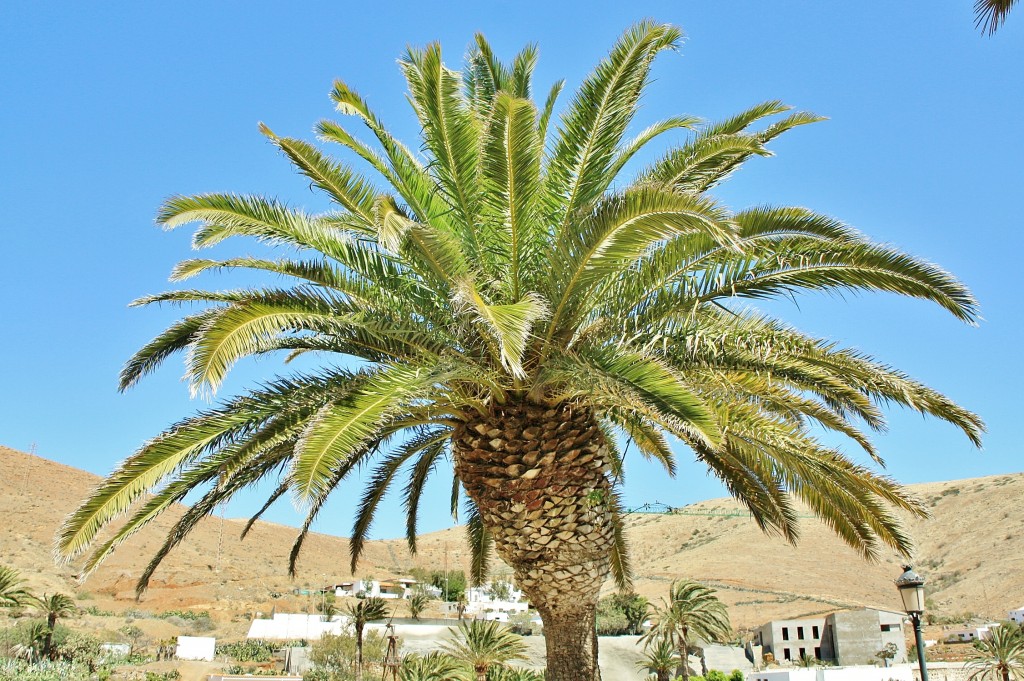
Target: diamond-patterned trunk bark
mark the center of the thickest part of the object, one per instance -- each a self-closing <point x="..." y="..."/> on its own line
<point x="540" y="477"/>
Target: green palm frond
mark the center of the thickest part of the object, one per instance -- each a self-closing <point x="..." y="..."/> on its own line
<point x="11" y="591"/>
<point x="413" y="491"/>
<point x="989" y="15"/>
<point x="480" y="544"/>
<point x="597" y="118"/>
<point x="622" y="570"/>
<point x="511" y="183"/>
<point x="348" y="189"/>
<point x="341" y="428"/>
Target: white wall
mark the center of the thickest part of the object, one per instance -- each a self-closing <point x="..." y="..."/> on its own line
<point x="291" y="627"/>
<point x="856" y="673"/>
<point x="196" y="648"/>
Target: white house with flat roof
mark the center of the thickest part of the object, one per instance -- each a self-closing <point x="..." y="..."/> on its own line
<point x="485" y="602"/>
<point x="392" y="588"/>
<point x="972" y="633"/>
<point x="1017" y="615"/>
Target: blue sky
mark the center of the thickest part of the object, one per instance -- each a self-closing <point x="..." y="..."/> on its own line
<point x="108" y="108"/>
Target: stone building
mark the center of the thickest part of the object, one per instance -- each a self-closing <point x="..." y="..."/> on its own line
<point x="846" y="637"/>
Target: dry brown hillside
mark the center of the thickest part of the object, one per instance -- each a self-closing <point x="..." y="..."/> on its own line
<point x="970" y="551"/>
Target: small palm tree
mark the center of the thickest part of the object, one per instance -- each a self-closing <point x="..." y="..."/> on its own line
<point x="365" y="611"/>
<point x="807" y="661"/>
<point x="54" y="607"/>
<point x="417" y="604"/>
<point x="503" y="673"/>
<point x="39" y="638"/>
<point x="990" y="14"/>
<point x="691" y="612"/>
<point x="11" y="591"/>
<point x="1000" y="656"/>
<point x="436" y="666"/>
<point x="482" y="644"/>
<point x="660" y="657"/>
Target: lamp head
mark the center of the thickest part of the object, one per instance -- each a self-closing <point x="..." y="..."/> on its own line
<point x="911" y="588"/>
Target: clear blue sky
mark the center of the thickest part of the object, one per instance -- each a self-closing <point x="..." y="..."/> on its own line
<point x="110" y="107"/>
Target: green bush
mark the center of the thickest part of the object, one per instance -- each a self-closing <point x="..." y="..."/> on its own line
<point x="335" y="656"/>
<point x="185" y="614"/>
<point x="252" y="650"/>
<point x="172" y="675"/>
<point x="715" y="675"/>
<point x="19" y="670"/>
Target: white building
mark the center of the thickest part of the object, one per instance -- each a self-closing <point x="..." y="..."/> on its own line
<point x="1017" y="615"/>
<point x="196" y="648"/>
<point x="972" y="634"/>
<point x="398" y="588"/>
<point x="480" y="603"/>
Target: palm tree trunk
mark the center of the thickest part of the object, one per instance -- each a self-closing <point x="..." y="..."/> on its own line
<point x="684" y="657"/>
<point x="359" y="653"/>
<point x="51" y="623"/>
<point x="539" y="478"/>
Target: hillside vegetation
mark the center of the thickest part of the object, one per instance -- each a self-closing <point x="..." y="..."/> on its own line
<point x="970" y="551"/>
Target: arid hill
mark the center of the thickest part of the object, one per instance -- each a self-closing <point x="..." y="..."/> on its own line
<point x="971" y="551"/>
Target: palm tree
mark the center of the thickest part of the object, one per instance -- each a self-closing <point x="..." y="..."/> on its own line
<point x="54" y="607"/>
<point x="515" y="301"/>
<point x="11" y="591"/>
<point x="807" y="661"/>
<point x="366" y="610"/>
<point x="482" y="644"/>
<point x="691" y="612"/>
<point x="1000" y="656"/>
<point x="660" y="657"/>
<point x="989" y="15"/>
<point x="417" y="604"/>
<point x="435" y="666"/>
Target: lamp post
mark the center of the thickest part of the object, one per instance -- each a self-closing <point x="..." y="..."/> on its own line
<point x="911" y="588"/>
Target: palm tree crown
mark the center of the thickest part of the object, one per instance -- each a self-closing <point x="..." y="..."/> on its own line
<point x="512" y="298"/>
<point x="12" y="593"/>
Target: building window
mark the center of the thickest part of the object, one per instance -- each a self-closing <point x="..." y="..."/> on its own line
<point x="786" y="655"/>
<point x="785" y="635"/>
<point x="817" y="653"/>
<point x="800" y="632"/>
<point x="886" y="627"/>
<point x="814" y="632"/>
<point x="803" y="653"/>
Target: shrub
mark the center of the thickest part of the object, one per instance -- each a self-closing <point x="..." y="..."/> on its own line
<point x="172" y="675"/>
<point x="202" y="624"/>
<point x="189" y="615"/>
<point x="252" y="650"/>
<point x="336" y="655"/>
<point x="19" y="670"/>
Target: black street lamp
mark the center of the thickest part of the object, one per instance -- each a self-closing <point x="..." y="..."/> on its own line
<point x="911" y="587"/>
